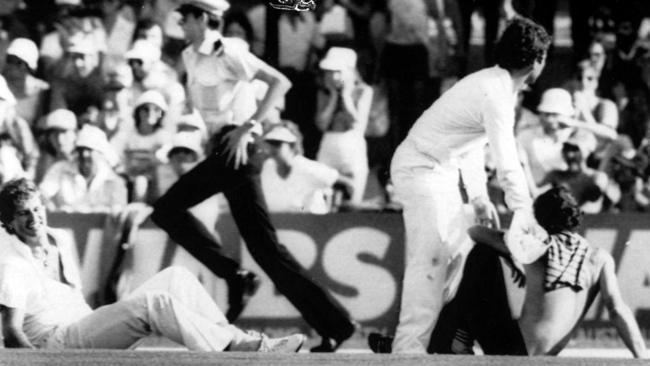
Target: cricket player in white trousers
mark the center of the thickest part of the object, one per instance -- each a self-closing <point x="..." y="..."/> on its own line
<point x="448" y="138"/>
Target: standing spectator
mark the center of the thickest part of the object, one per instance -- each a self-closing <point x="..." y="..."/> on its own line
<point x="59" y="132"/>
<point x="81" y="86"/>
<point x="31" y="93"/>
<point x="293" y="183"/>
<point x="71" y="20"/>
<point x="215" y="66"/>
<point x="141" y="146"/>
<point x="343" y="110"/>
<point x="600" y="113"/>
<point x="87" y="183"/>
<point x="292" y="48"/>
<point x="15" y="133"/>
<point x="118" y="20"/>
<point x="335" y="24"/>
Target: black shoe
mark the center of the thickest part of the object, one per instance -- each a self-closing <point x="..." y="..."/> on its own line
<point x="380" y="343"/>
<point x="240" y="290"/>
<point x="330" y="344"/>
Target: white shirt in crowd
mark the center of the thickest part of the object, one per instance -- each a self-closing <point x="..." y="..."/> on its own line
<point x="66" y="189"/>
<point x="303" y="190"/>
<point x="48" y="304"/>
<point x="454" y="130"/>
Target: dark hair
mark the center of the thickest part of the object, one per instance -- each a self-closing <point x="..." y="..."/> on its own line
<point x="239" y="17"/>
<point x="144" y="24"/>
<point x="557" y="210"/>
<point x="214" y="21"/>
<point x="523" y="42"/>
<point x="136" y="118"/>
<point x="182" y="150"/>
<point x="12" y="194"/>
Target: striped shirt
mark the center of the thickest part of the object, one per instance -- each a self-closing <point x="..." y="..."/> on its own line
<point x="565" y="262"/>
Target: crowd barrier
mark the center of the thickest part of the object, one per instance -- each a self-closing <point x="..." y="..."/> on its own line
<point x="358" y="257"/>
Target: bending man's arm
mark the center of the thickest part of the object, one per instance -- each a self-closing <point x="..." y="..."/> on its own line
<point x="12" y="328"/>
<point x="619" y="313"/>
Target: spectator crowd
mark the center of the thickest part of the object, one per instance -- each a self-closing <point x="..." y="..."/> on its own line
<point x="93" y="107"/>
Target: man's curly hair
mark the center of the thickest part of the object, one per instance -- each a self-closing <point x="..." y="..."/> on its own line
<point x="556" y="210"/>
<point x="522" y="43"/>
<point x="13" y="193"/>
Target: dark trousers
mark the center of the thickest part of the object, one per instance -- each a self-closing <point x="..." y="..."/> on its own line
<point x="248" y="208"/>
<point x="480" y="309"/>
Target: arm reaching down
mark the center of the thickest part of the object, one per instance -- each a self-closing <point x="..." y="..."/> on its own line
<point x="619" y="313"/>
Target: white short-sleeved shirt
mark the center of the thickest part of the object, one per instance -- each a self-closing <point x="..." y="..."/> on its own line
<point x="48" y="304"/>
<point x="303" y="190"/>
<point x="219" y="83"/>
<point x="478" y="109"/>
<point x="67" y="190"/>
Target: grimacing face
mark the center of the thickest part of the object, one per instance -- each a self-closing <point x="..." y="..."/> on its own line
<point x="29" y="222"/>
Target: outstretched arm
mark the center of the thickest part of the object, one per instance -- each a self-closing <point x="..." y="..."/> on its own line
<point x="619" y="312"/>
<point x="490" y="237"/>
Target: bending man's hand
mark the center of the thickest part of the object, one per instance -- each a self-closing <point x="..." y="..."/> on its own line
<point x="237" y="142"/>
<point x="485" y="213"/>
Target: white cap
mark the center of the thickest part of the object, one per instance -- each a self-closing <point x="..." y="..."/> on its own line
<point x="143" y="50"/>
<point x="187" y="140"/>
<point x="216" y="7"/>
<point x="92" y="137"/>
<point x="26" y="50"/>
<point x="60" y="119"/>
<point x="5" y="92"/>
<point x="152" y="97"/>
<point x="281" y="133"/>
<point x="339" y="58"/>
<point x="556" y="100"/>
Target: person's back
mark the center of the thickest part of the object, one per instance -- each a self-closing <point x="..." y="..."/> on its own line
<point x="548" y="318"/>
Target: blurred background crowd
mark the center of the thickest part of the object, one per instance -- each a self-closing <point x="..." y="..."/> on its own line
<point x="93" y="105"/>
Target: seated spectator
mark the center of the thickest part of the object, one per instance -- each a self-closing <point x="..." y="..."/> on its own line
<point x="59" y="132"/>
<point x="16" y="137"/>
<point x="626" y="169"/>
<point x="237" y="25"/>
<point x="587" y="185"/>
<point x="87" y="183"/>
<point x="31" y="93"/>
<point x="293" y="183"/>
<point x="600" y="114"/>
<point x="151" y="73"/>
<point x="183" y="153"/>
<point x="43" y="306"/>
<point x="543" y="143"/>
<point x="343" y="110"/>
<point x="150" y="31"/>
<point x="147" y="138"/>
<point x="79" y="83"/>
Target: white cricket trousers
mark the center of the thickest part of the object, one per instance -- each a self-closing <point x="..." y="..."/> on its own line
<point x="437" y="243"/>
<point x="172" y="304"/>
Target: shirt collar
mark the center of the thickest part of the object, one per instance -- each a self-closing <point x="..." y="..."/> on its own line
<point x="207" y="46"/>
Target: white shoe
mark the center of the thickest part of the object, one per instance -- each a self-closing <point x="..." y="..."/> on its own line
<point x="289" y="344"/>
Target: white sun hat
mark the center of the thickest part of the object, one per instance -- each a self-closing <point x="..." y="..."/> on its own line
<point x="338" y="59"/>
<point x="26" y="50"/>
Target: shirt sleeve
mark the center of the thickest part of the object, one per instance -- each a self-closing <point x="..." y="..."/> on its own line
<point x="13" y="286"/>
<point x="473" y="173"/>
<point x="499" y="119"/>
<point x="320" y="175"/>
<point x="242" y="64"/>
